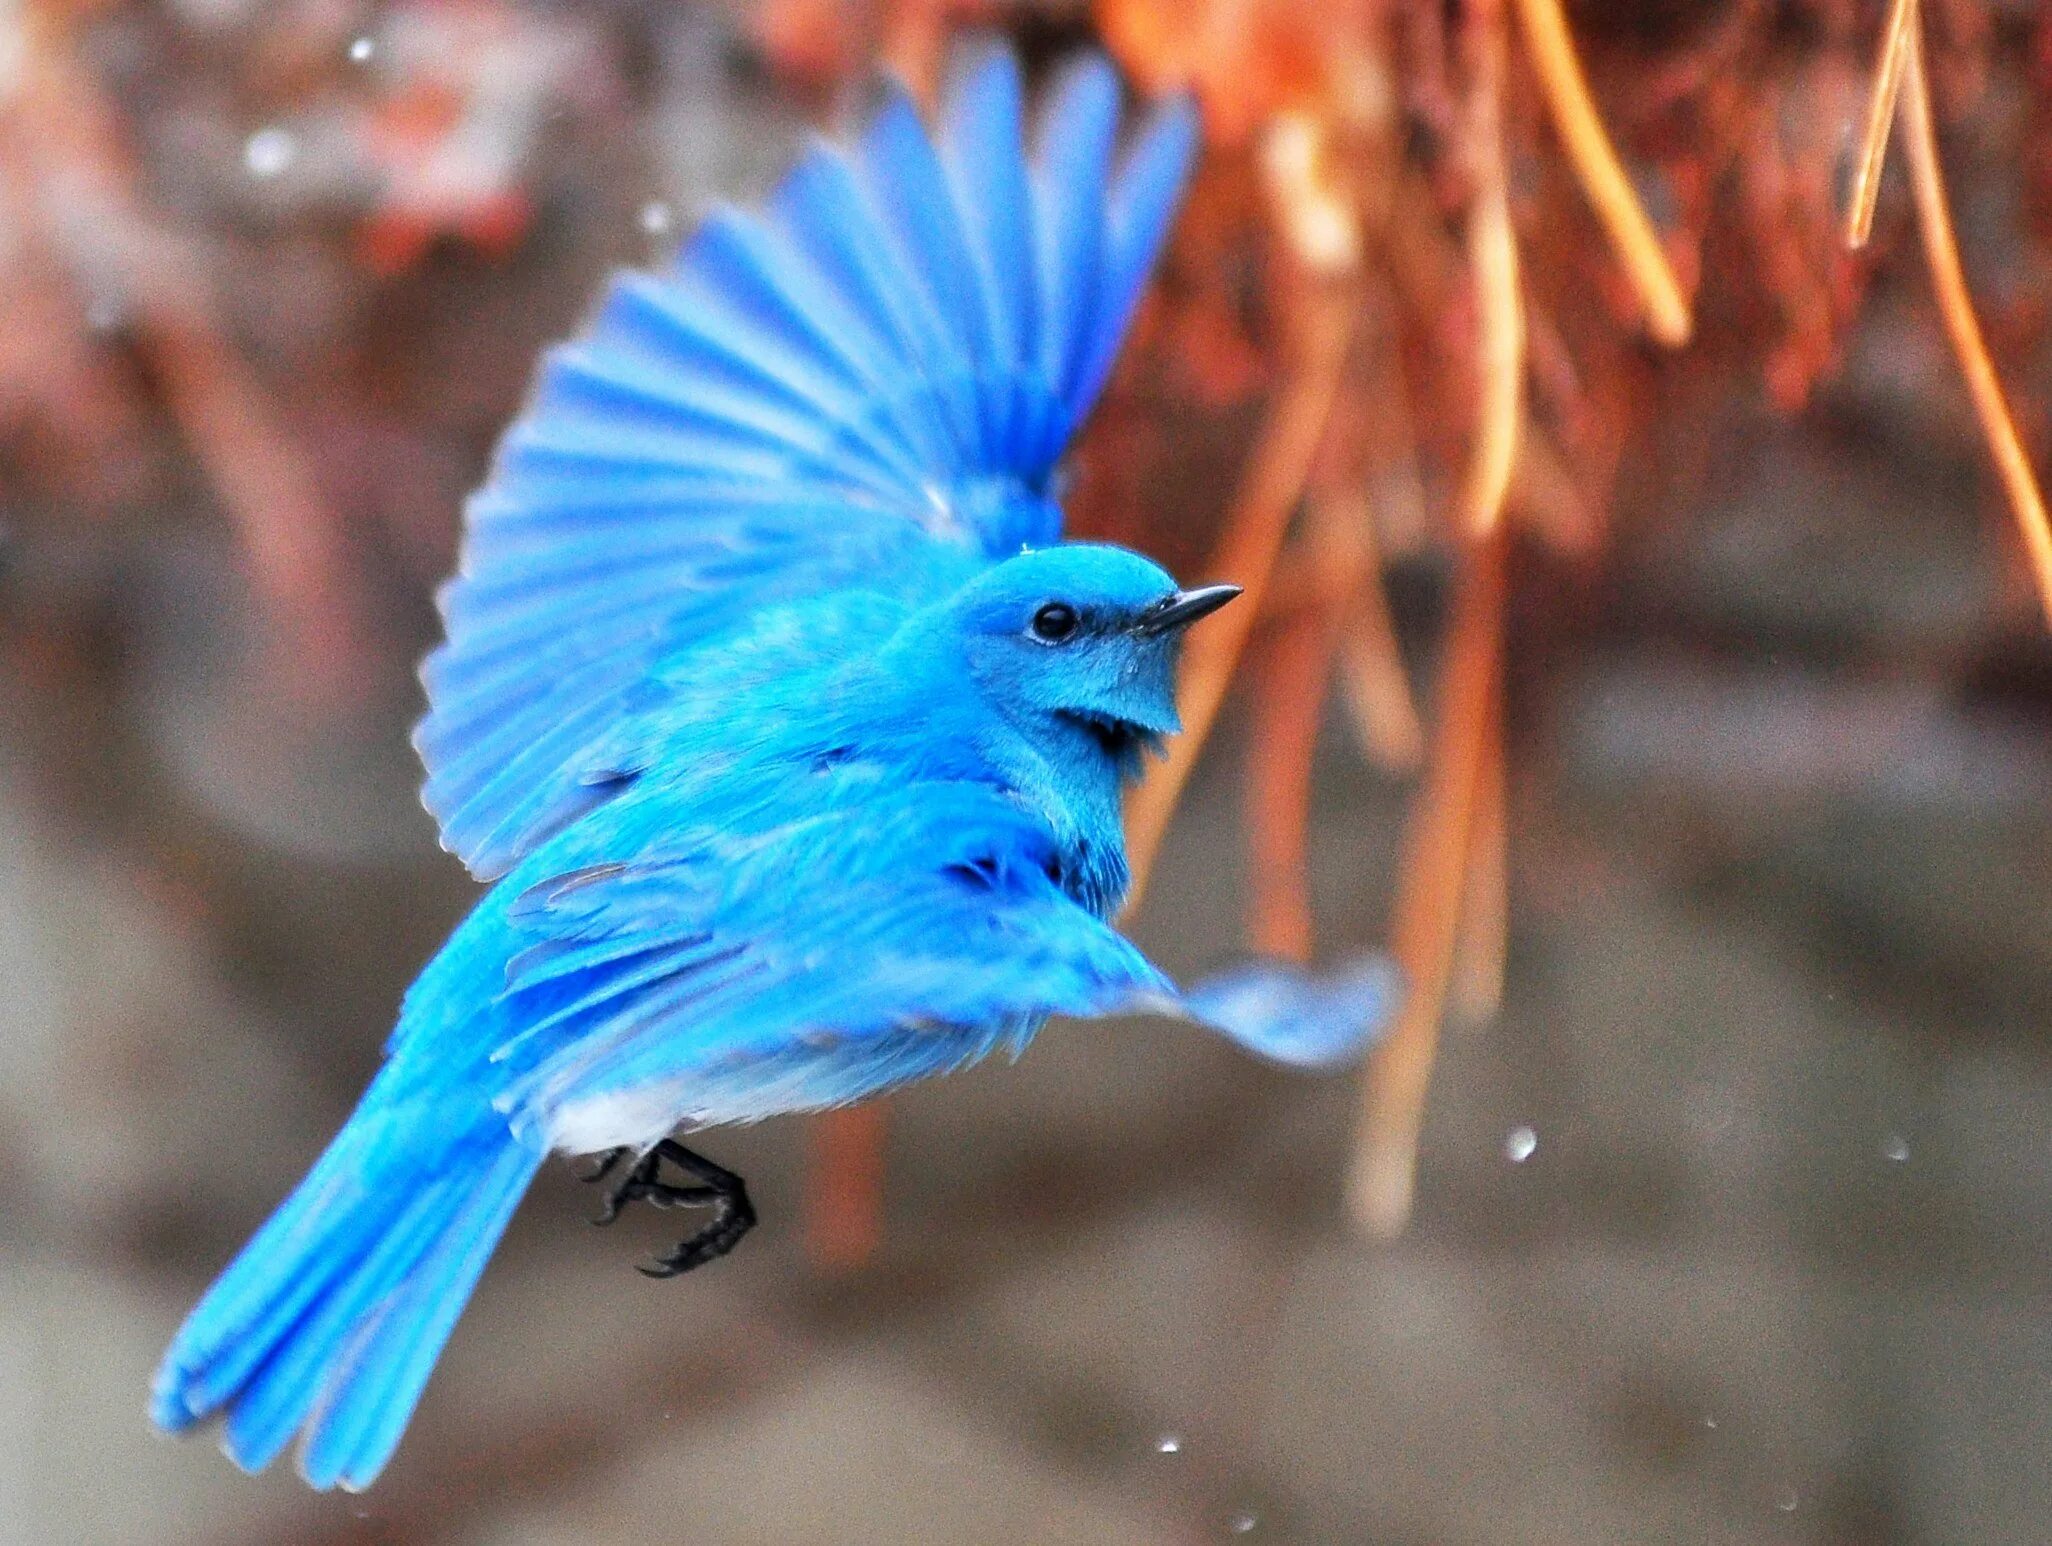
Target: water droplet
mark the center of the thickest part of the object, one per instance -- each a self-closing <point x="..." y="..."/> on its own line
<point x="1787" y="1501"/>
<point x="1242" y="1524"/>
<point x="1168" y="1444"/>
<point x="1896" y="1148"/>
<point x="657" y="218"/>
<point x="1709" y="1422"/>
<point x="269" y="151"/>
<point x="1520" y="1145"/>
<point x="361" y="50"/>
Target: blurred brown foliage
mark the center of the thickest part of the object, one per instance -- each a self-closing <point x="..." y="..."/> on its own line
<point x="1458" y="281"/>
<point x="1427" y="194"/>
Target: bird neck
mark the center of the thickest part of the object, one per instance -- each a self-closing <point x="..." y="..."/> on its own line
<point x="1062" y="770"/>
<point x="950" y="725"/>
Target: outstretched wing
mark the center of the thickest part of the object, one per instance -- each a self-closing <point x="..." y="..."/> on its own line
<point x="867" y="383"/>
<point x="728" y="978"/>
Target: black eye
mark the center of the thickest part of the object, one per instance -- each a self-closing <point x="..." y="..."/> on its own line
<point x="1054" y="622"/>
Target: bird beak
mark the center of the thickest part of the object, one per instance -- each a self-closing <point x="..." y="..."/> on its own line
<point x="1183" y="608"/>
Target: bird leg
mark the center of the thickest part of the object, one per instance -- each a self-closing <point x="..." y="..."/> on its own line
<point x="719" y="1189"/>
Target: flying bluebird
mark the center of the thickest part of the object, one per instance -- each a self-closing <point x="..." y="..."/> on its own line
<point x="790" y="732"/>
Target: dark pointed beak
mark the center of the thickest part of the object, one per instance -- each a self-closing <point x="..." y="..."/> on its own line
<point x="1183" y="608"/>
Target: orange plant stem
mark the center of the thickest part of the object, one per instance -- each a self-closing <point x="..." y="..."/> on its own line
<point x="844" y="1187"/>
<point x="1435" y="875"/>
<point x="1429" y="897"/>
<point x="1375" y="688"/>
<point x="1941" y="250"/>
<point x="1602" y="176"/>
<point x="1475" y="987"/>
<point x="1888" y="68"/>
<point x="1289" y="690"/>
<point x="1268" y="496"/>
<point x="1500" y="343"/>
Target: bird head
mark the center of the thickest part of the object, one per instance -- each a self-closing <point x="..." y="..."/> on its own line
<point x="1085" y="638"/>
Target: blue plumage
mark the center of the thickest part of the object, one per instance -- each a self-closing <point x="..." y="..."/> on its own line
<point x="792" y="737"/>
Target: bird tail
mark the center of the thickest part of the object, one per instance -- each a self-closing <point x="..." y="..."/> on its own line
<point x="333" y="1315"/>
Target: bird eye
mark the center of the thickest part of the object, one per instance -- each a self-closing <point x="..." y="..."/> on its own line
<point x="1054" y="622"/>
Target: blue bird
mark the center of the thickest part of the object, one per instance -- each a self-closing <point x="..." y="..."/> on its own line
<point x="789" y="731"/>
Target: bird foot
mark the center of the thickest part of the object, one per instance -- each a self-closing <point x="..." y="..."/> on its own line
<point x="718" y="1189"/>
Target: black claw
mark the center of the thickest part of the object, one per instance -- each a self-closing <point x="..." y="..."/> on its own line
<point x="721" y="1190"/>
<point x="684" y="1197"/>
<point x="710" y="1243"/>
<point x="624" y="1191"/>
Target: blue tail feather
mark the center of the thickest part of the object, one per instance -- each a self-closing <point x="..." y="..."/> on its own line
<point x="254" y="1302"/>
<point x="371" y="1395"/>
<point x="272" y="1403"/>
<point x="331" y="1317"/>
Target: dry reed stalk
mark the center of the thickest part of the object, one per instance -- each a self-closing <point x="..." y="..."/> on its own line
<point x="1602" y="176"/>
<point x="1429" y="903"/>
<point x="1941" y="250"/>
<point x="1439" y="838"/>
<point x="1888" y="71"/>
<point x="1290" y="673"/>
<point x="1374" y="685"/>
<point x="1399" y="519"/>
<point x="1552" y="495"/>
<point x="1298" y="581"/>
<point x="1474" y="992"/>
<point x="1492" y="245"/>
<point x="844" y="1176"/>
<point x="1268" y="495"/>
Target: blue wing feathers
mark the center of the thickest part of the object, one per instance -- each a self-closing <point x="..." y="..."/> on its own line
<point x="753" y="265"/>
<point x="1070" y="167"/>
<point x="834" y="228"/>
<point x="593" y="390"/>
<point x="1278" y="1011"/>
<point x="1143" y="204"/>
<point x="650" y="321"/>
<point x="983" y="155"/>
<point x="938" y="912"/>
<point x="527" y="798"/>
<point x="654" y="982"/>
<point x="905" y="184"/>
<point x="912" y="328"/>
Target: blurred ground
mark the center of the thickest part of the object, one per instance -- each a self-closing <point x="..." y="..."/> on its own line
<point x="1774" y="1268"/>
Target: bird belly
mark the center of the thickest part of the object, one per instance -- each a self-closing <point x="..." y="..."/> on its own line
<point x="812" y="1072"/>
<point x="634" y="1119"/>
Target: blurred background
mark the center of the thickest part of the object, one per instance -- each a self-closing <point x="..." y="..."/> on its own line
<point x="1645" y="645"/>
